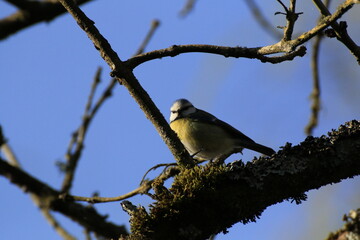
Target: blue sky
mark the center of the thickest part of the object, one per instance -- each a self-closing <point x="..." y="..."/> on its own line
<point x="46" y="72"/>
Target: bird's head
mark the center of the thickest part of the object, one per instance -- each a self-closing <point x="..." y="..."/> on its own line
<point x="181" y="108"/>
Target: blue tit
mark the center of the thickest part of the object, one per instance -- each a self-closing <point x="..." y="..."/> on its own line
<point x="206" y="137"/>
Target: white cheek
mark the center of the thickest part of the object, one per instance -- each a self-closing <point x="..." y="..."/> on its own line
<point x="173" y="116"/>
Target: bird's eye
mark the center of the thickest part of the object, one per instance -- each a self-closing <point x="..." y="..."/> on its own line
<point x="173" y="111"/>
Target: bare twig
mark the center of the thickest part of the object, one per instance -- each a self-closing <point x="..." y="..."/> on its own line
<point x="236" y="52"/>
<point x="94" y="85"/>
<point x="286" y="47"/>
<point x="315" y="95"/>
<point x="291" y="17"/>
<point x="76" y="143"/>
<point x="154" y="25"/>
<point x="30" y="13"/>
<point x="260" y="18"/>
<point x="340" y="29"/>
<point x="155" y="167"/>
<point x="284" y="7"/>
<point x="12" y="159"/>
<point x="189" y="6"/>
<point x="143" y="188"/>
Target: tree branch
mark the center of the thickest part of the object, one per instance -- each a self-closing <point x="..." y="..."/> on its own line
<point x="30" y="13"/>
<point x="236" y="52"/>
<point x="126" y="78"/>
<point x="340" y="30"/>
<point x="84" y="215"/>
<point x="189" y="6"/>
<point x="291" y="17"/>
<point x="315" y="94"/>
<point x="76" y="143"/>
<point x="287" y="47"/>
<point x="143" y="188"/>
<point x="234" y="193"/>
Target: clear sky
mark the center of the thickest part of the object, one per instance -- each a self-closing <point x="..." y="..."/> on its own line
<point x="46" y="72"/>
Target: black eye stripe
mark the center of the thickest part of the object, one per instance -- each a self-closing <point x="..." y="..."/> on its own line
<point x="180" y="110"/>
<point x="185" y="108"/>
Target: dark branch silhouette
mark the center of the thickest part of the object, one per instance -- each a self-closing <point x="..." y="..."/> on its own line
<point x="30" y="13"/>
<point x="209" y="199"/>
<point x="86" y="216"/>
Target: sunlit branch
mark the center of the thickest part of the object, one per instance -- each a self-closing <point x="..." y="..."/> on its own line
<point x="126" y="78"/>
<point x="340" y="29"/>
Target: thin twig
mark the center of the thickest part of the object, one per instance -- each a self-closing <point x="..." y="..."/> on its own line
<point x="286" y="47"/>
<point x="94" y="85"/>
<point x="155" y="167"/>
<point x="340" y="30"/>
<point x="189" y="6"/>
<point x="146" y="186"/>
<point x="154" y="25"/>
<point x="291" y="17"/>
<point x="315" y="95"/>
<point x="260" y="18"/>
<point x="76" y="143"/>
<point x="142" y="189"/>
<point x="283" y="5"/>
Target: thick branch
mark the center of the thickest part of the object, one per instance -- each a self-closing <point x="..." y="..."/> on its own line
<point x="84" y="215"/>
<point x="209" y="199"/>
<point x="126" y="77"/>
<point x="30" y="13"/>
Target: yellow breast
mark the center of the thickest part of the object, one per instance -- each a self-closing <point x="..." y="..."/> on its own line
<point x="207" y="140"/>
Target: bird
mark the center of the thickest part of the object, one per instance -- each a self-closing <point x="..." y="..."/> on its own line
<point x="206" y="137"/>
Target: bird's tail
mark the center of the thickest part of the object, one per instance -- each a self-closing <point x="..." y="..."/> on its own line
<point x="258" y="148"/>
